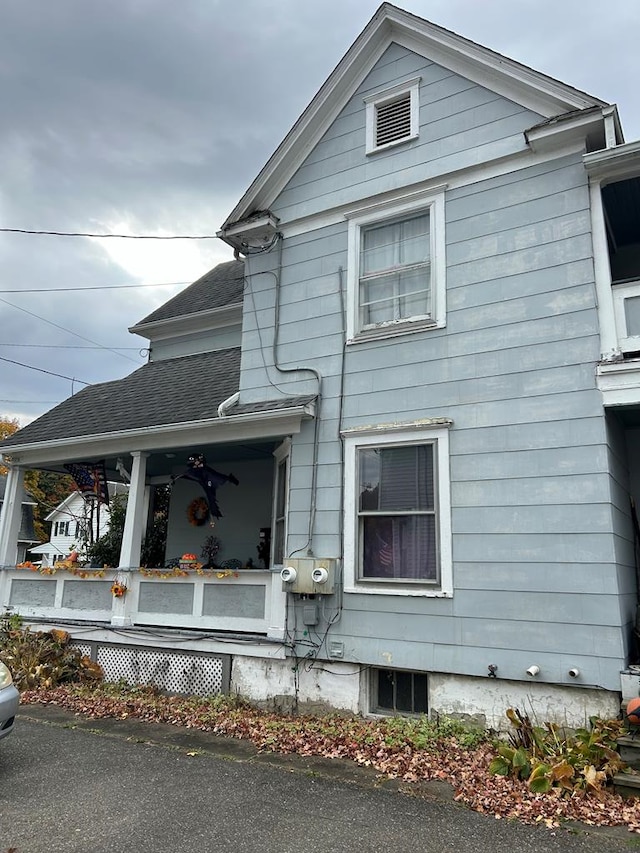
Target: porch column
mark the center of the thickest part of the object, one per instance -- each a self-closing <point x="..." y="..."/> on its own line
<point x="11" y="516"/>
<point x="136" y="513"/>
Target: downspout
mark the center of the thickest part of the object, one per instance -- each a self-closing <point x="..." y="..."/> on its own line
<point x="227" y="404"/>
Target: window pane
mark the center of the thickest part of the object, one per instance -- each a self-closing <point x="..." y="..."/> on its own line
<point x="278" y="544"/>
<point x="380" y="248"/>
<point x="399" y="295"/>
<point x="406" y="475"/>
<point x="369" y="478"/>
<point x="414" y="238"/>
<point x="395" y="243"/>
<point x="399" y="547"/>
<point x="281" y="488"/>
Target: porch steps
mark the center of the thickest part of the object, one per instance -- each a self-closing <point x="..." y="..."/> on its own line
<point x="627" y="782"/>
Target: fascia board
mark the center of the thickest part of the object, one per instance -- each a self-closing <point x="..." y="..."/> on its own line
<point x="610" y="164"/>
<point x="572" y="130"/>
<point x="269" y="424"/>
<point x="534" y="90"/>
<point x="200" y="321"/>
<point x="312" y="124"/>
<point x="526" y="86"/>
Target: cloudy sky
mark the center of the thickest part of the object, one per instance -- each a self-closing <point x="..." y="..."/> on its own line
<point x="151" y="117"/>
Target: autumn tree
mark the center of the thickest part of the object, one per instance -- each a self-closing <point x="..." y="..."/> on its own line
<point x="47" y="488"/>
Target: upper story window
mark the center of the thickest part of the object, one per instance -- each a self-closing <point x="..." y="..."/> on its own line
<point x="61" y="528"/>
<point x="396" y="275"/>
<point x="392" y="116"/>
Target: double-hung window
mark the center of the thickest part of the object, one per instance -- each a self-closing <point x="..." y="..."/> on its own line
<point x="397" y="522"/>
<point x="396" y="268"/>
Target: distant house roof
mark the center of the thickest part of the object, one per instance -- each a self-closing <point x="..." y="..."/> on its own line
<point x="221" y="286"/>
<point x="171" y="391"/>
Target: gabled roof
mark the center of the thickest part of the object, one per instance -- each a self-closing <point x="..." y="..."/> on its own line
<point x="172" y="391"/>
<point x="535" y="91"/>
<point x="113" y="488"/>
<point x="220" y="287"/>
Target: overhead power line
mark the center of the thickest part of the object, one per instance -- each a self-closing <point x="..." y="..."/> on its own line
<point x="106" y="236"/>
<point x="74" y="346"/>
<point x="68" y="331"/>
<point x="91" y="287"/>
<point x="42" y="370"/>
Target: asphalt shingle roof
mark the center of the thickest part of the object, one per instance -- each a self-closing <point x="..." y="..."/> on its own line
<point x="176" y="390"/>
<point x="221" y="286"/>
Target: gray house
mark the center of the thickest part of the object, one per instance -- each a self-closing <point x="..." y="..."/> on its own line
<point x="422" y="369"/>
<point x="26" y="532"/>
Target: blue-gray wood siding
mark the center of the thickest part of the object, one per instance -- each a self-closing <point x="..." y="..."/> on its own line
<point x="461" y="124"/>
<point x="196" y="342"/>
<point x="540" y="528"/>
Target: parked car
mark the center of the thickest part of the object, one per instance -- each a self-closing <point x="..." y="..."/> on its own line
<point x="9" y="701"/>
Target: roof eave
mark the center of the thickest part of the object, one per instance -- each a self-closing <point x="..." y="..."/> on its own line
<point x="231" y="428"/>
<point x="198" y="321"/>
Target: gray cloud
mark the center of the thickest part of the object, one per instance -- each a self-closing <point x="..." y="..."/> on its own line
<point x="159" y="115"/>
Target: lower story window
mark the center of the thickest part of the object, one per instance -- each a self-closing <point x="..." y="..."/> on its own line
<point x="397" y="691"/>
<point x="397" y="512"/>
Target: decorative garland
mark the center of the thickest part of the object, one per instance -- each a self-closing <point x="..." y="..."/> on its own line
<point x="162" y="574"/>
<point x="198" y="512"/>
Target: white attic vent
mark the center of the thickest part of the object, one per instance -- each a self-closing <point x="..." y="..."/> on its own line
<point x="392" y="116"/>
<point x="393" y="120"/>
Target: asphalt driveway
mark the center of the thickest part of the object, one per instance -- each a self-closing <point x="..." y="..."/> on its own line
<point x="82" y="786"/>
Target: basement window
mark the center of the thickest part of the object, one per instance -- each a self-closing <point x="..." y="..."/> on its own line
<point x="392" y="116"/>
<point x="395" y="691"/>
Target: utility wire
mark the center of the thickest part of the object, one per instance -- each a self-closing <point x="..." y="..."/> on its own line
<point x="91" y="287"/>
<point x="41" y="370"/>
<point x="69" y="346"/>
<point x="30" y="402"/>
<point x="68" y="331"/>
<point x="119" y="236"/>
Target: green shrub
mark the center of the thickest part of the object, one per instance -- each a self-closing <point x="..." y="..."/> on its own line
<point x="549" y="756"/>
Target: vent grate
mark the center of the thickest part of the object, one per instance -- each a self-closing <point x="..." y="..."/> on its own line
<point x="393" y="120"/>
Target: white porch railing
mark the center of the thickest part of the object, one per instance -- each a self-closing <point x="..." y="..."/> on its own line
<point x="249" y="600"/>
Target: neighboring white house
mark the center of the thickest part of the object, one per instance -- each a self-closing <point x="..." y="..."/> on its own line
<point x="71" y="521"/>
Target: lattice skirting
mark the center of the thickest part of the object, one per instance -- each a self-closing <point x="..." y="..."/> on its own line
<point x="172" y="671"/>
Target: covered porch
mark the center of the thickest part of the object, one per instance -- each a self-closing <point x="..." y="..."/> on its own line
<point x="239" y="591"/>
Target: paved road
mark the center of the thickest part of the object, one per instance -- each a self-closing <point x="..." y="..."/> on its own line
<point x="118" y="786"/>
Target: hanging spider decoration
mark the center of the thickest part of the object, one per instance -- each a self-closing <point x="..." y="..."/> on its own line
<point x="209" y="479"/>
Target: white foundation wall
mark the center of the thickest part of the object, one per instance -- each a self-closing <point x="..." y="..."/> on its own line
<point x="327" y="686"/>
<point x="486" y="701"/>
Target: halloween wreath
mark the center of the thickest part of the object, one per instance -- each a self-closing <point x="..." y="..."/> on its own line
<point x="198" y="512"/>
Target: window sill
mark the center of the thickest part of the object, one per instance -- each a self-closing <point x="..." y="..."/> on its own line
<point x="405" y="591"/>
<point x="395" y="331"/>
<point x="381" y="148"/>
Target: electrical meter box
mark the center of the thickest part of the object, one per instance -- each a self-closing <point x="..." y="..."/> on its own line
<point x="309" y="576"/>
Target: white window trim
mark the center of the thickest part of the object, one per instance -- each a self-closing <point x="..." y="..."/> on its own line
<point x="376" y="437"/>
<point x="383" y="96"/>
<point x="282" y="452"/>
<point x="433" y="201"/>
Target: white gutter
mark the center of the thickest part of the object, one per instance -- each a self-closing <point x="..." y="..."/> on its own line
<point x="215" y="430"/>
